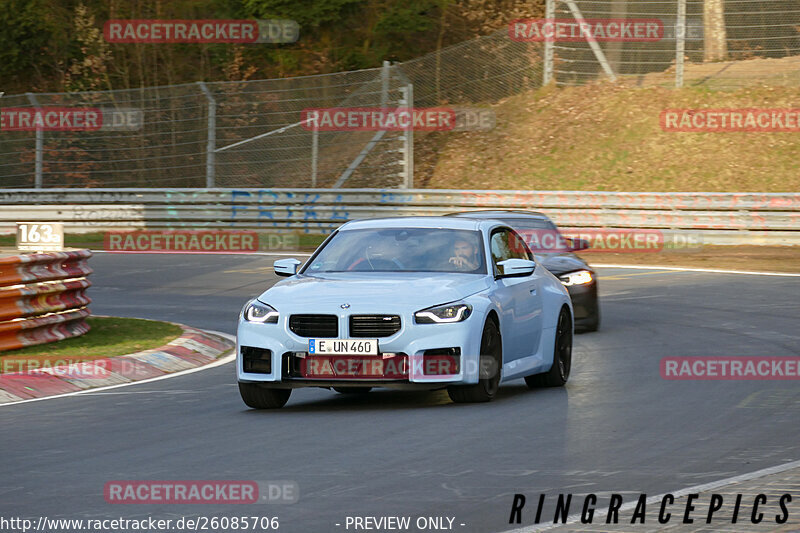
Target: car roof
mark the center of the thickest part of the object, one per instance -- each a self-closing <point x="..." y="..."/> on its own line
<point x="415" y="222"/>
<point x="496" y="213"/>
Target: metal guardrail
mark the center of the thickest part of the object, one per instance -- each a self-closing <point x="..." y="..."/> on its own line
<point x="724" y="218"/>
<point x="43" y="298"/>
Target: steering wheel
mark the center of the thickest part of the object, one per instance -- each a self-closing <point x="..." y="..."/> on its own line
<point x="375" y="265"/>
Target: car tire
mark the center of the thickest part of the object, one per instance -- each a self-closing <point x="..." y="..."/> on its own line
<point x="352" y="390"/>
<point x="558" y="374"/>
<point x="260" y="397"/>
<point x="491" y="358"/>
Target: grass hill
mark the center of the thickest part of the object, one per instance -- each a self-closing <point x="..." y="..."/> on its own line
<point x="607" y="137"/>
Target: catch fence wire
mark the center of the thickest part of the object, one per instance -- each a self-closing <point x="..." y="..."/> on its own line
<point x="248" y="133"/>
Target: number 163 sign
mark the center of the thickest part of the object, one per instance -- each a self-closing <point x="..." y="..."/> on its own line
<point x="40" y="236"/>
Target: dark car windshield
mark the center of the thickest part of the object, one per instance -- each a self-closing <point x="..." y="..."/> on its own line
<point x="401" y="250"/>
<point x="541" y="235"/>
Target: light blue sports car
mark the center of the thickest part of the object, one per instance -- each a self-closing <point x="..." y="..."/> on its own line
<point x="408" y="303"/>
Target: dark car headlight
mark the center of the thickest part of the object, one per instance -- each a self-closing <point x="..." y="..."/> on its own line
<point x="262" y="313"/>
<point x="443" y="314"/>
<point x="579" y="277"/>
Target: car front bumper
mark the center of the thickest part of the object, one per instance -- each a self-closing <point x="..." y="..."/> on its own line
<point x="584" y="304"/>
<point x="283" y="350"/>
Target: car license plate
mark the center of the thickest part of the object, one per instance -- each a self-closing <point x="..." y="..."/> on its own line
<point x="343" y="346"/>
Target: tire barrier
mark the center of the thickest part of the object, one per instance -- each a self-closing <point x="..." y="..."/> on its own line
<point x="43" y="298"/>
<point x="22" y="269"/>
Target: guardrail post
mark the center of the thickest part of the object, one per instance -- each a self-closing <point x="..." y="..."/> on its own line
<point x="212" y="136"/>
<point x="549" y="15"/>
<point x="680" y="43"/>
<point x="39" y="155"/>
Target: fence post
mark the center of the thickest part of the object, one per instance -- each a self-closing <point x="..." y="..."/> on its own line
<point x="211" y="146"/>
<point x="408" y="140"/>
<point x="680" y="43"/>
<point x="549" y="15"/>
<point x="385" y="73"/>
<point x="598" y="52"/>
<point x="39" y="155"/>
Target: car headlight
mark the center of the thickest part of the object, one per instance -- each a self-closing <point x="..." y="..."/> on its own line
<point x="581" y="277"/>
<point x="443" y="314"/>
<point x="262" y="313"/>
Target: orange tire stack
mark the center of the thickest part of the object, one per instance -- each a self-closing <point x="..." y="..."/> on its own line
<point x="43" y="298"/>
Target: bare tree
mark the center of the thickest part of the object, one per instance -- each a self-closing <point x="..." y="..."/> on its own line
<point x="716" y="44"/>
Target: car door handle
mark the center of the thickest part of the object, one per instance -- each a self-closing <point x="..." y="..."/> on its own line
<point x="533" y="290"/>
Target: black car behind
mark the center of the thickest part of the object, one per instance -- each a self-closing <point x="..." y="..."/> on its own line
<point x="555" y="253"/>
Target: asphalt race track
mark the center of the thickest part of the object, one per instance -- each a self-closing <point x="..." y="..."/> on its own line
<point x="617" y="426"/>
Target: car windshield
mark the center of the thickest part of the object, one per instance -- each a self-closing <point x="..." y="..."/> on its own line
<point x="402" y="250"/>
<point x="541" y="235"/>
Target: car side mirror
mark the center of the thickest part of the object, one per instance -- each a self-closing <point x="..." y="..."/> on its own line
<point x="579" y="244"/>
<point x="286" y="267"/>
<point x="516" y="268"/>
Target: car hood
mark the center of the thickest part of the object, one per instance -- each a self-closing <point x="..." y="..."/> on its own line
<point x="370" y="292"/>
<point x="561" y="263"/>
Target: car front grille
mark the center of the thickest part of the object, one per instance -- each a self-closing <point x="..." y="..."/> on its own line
<point x="374" y="326"/>
<point x="314" y="325"/>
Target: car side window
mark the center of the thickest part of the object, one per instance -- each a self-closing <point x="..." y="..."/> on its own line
<point x="499" y="245"/>
<point x="500" y="249"/>
<point x="506" y="244"/>
<point x="519" y="249"/>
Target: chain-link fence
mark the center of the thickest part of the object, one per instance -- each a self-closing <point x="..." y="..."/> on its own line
<point x="223" y="134"/>
<point x="726" y="44"/>
<point x="251" y="134"/>
<point x="479" y="71"/>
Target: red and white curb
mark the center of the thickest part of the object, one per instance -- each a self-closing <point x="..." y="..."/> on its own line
<point x="193" y="349"/>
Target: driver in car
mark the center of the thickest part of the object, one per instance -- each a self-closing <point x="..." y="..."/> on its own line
<point x="465" y="255"/>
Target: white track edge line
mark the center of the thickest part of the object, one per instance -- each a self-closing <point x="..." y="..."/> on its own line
<point x="682" y="269"/>
<point x="677" y="494"/>
<point x="223" y="360"/>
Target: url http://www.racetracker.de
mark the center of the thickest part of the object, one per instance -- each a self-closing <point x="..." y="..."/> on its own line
<point x="99" y="525"/>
